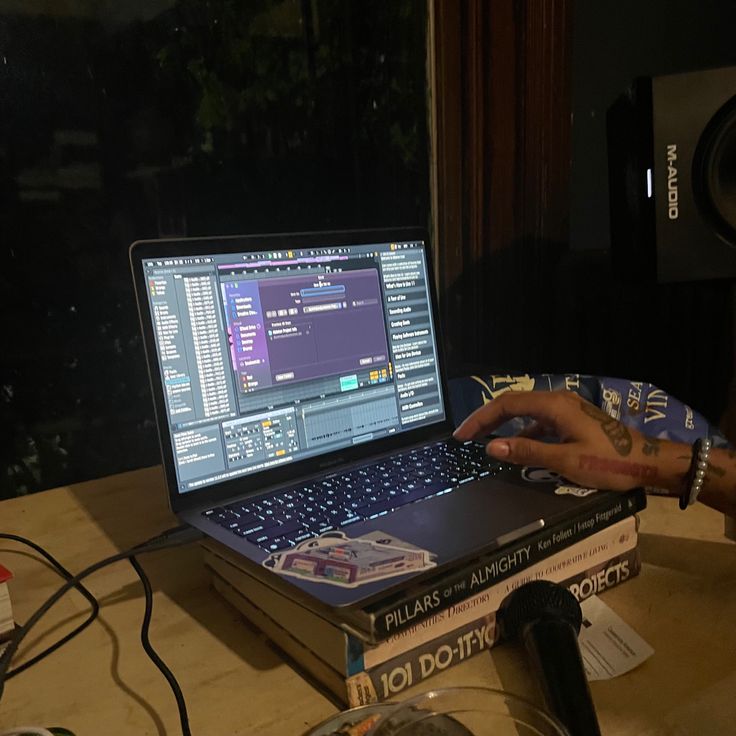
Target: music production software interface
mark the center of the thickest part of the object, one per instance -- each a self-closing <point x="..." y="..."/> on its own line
<point x="271" y="357"/>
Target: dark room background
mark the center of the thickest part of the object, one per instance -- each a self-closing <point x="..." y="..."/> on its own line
<point x="678" y="336"/>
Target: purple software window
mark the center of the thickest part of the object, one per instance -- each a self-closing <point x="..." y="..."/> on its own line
<point x="247" y="335"/>
<point x="300" y="327"/>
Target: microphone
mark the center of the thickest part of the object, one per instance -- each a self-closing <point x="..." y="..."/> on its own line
<point x="546" y="618"/>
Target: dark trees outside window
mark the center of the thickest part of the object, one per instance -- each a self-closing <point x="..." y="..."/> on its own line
<point x="137" y="119"/>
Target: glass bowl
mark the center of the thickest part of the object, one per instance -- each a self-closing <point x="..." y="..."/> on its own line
<point x="467" y="711"/>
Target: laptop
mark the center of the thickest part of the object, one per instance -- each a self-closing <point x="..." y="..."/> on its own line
<point x="302" y="411"/>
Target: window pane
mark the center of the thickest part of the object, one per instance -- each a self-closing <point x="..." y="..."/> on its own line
<point x="148" y="118"/>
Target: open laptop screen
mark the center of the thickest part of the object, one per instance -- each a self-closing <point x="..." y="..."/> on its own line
<point x="266" y="358"/>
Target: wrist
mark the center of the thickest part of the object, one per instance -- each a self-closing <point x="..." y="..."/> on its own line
<point x="672" y="462"/>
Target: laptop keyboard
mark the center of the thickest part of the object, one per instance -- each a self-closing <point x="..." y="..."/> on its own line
<point x="289" y="516"/>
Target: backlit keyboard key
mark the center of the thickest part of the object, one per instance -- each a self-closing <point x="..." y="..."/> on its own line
<point x="294" y="514"/>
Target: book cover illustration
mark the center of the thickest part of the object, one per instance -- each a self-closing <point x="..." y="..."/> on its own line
<point x="337" y="559"/>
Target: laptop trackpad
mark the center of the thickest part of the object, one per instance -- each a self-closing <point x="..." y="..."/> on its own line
<point x="469" y="519"/>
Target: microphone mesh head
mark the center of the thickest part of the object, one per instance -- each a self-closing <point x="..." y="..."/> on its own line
<point x="538" y="599"/>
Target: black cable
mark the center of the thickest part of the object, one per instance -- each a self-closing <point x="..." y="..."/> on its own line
<point x="153" y="654"/>
<point x="67" y="576"/>
<point x="171" y="538"/>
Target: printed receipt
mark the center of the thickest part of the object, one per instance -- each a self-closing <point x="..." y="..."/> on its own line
<point x="609" y="646"/>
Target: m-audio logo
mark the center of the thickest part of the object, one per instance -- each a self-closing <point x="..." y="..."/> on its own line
<point x="673" y="190"/>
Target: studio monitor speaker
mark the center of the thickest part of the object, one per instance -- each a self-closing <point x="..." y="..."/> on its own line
<point x="672" y="177"/>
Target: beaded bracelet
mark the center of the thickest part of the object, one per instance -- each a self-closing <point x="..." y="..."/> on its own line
<point x="696" y="472"/>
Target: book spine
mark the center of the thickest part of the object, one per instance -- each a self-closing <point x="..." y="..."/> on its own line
<point x="428" y="599"/>
<point x="578" y="557"/>
<point x="333" y="644"/>
<point x="301" y="658"/>
<point x="7" y="624"/>
<point x="390" y="678"/>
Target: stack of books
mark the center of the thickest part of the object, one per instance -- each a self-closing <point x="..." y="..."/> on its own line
<point x="7" y="624"/>
<point x="373" y="654"/>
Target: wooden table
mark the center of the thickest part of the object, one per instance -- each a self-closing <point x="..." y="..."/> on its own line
<point x="683" y="604"/>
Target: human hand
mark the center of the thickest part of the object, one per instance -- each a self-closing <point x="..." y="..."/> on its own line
<point x="594" y="449"/>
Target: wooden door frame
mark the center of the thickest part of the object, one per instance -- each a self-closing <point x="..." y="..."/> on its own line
<point x="500" y="122"/>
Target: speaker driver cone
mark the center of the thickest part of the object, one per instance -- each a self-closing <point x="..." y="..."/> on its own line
<point x="714" y="173"/>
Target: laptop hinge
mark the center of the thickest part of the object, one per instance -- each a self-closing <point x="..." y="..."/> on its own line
<point x="337" y="469"/>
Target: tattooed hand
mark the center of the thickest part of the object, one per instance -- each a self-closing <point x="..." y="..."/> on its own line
<point x="594" y="449"/>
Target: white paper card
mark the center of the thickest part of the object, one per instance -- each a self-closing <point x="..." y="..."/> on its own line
<point x="609" y="646"/>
